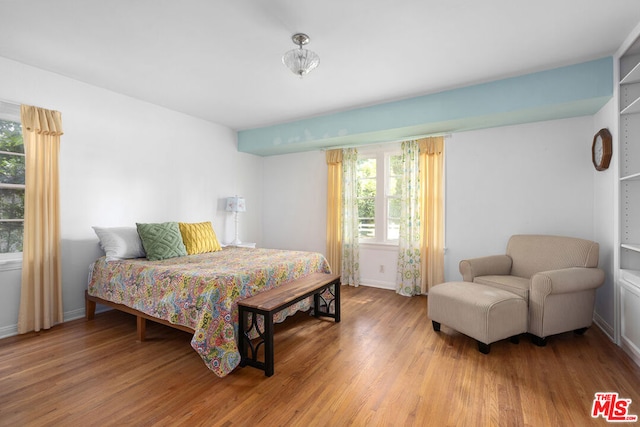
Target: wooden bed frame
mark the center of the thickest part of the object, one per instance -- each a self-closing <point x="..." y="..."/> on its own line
<point x="141" y="318"/>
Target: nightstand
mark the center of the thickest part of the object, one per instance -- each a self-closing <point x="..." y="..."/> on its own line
<point x="241" y="245"/>
<point x="246" y="245"/>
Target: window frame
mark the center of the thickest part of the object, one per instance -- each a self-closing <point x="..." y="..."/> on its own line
<point x="11" y="112"/>
<point x="383" y="155"/>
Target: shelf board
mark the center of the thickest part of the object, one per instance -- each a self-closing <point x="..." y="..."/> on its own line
<point x="632" y="76"/>
<point x="631" y="276"/>
<point x="632" y="108"/>
<point x="631" y="246"/>
<point x="632" y="177"/>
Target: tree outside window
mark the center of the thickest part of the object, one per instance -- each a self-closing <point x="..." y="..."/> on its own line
<point x="12" y="180"/>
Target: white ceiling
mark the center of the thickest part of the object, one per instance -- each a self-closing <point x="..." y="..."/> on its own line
<point x="221" y="59"/>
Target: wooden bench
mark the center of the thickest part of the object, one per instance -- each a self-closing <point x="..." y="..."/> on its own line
<point x="269" y="302"/>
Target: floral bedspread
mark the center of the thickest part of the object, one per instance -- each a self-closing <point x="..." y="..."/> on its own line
<point x="202" y="291"/>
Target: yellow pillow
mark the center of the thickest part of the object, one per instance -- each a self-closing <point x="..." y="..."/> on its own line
<point x="199" y="237"/>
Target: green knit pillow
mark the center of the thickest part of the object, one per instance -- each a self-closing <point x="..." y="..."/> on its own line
<point x="161" y="241"/>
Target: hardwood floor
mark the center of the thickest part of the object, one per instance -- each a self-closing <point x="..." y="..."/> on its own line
<point x="382" y="365"/>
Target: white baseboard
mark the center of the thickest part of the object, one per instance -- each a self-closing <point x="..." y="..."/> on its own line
<point x="606" y="328"/>
<point x="11" y="330"/>
<point x="631" y="350"/>
<point x="74" y="314"/>
<point x="8" y="331"/>
<point x="379" y="284"/>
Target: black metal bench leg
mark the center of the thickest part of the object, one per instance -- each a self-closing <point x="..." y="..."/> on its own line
<point x="318" y="297"/>
<point x="316" y="305"/>
<point x="336" y="304"/>
<point x="242" y="344"/>
<point x="268" y="345"/>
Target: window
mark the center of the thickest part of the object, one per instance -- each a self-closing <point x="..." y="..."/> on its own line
<point x="378" y="191"/>
<point x="12" y="176"/>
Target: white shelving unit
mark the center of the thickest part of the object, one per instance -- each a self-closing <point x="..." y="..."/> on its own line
<point x="629" y="181"/>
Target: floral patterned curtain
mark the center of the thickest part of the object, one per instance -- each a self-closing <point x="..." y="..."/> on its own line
<point x="408" y="280"/>
<point x="350" y="246"/>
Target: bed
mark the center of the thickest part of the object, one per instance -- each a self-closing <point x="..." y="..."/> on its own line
<point x="200" y="292"/>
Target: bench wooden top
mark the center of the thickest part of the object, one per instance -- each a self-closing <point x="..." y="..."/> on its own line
<point x="276" y="297"/>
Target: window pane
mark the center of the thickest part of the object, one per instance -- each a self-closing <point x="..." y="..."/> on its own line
<point x="393" y="218"/>
<point x="366" y="188"/>
<point x="11" y="237"/>
<point x="395" y="163"/>
<point x="11" y="166"/>
<point x="366" y="217"/>
<point x="366" y="168"/>
<point x="393" y="229"/>
<point x="366" y="193"/>
<point x="367" y="228"/>
<point x="11" y="169"/>
<point x="11" y="203"/>
<point x="11" y="137"/>
<point x="393" y="208"/>
<point x="394" y="186"/>
<point x="394" y="175"/>
<point x="11" y="208"/>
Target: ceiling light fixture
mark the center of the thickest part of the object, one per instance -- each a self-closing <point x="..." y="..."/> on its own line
<point x="300" y="61"/>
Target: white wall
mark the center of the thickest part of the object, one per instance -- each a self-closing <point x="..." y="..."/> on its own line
<point x="525" y="179"/>
<point x="604" y="219"/>
<point x="294" y="188"/>
<point x="125" y="161"/>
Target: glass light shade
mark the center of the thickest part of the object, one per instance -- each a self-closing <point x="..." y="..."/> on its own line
<point x="300" y="61"/>
<point x="236" y="204"/>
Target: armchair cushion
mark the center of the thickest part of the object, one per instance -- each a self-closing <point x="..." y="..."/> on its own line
<point x="534" y="253"/>
<point x="513" y="284"/>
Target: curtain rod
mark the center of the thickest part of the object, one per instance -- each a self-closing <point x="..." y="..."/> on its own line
<point x="375" y="144"/>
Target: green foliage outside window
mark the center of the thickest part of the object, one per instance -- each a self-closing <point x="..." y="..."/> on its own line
<point x="12" y="179"/>
<point x="366" y="193"/>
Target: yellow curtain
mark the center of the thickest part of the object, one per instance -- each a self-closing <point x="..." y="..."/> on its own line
<point x="334" y="210"/>
<point x="41" y="291"/>
<point x="432" y="211"/>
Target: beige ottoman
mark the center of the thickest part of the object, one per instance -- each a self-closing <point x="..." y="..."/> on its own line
<point x="482" y="312"/>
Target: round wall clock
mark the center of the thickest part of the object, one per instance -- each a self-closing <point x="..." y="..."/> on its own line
<point x="601" y="150"/>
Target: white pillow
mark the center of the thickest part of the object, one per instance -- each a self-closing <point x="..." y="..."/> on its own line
<point x="120" y="242"/>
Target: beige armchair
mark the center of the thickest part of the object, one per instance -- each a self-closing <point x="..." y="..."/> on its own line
<point x="557" y="276"/>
